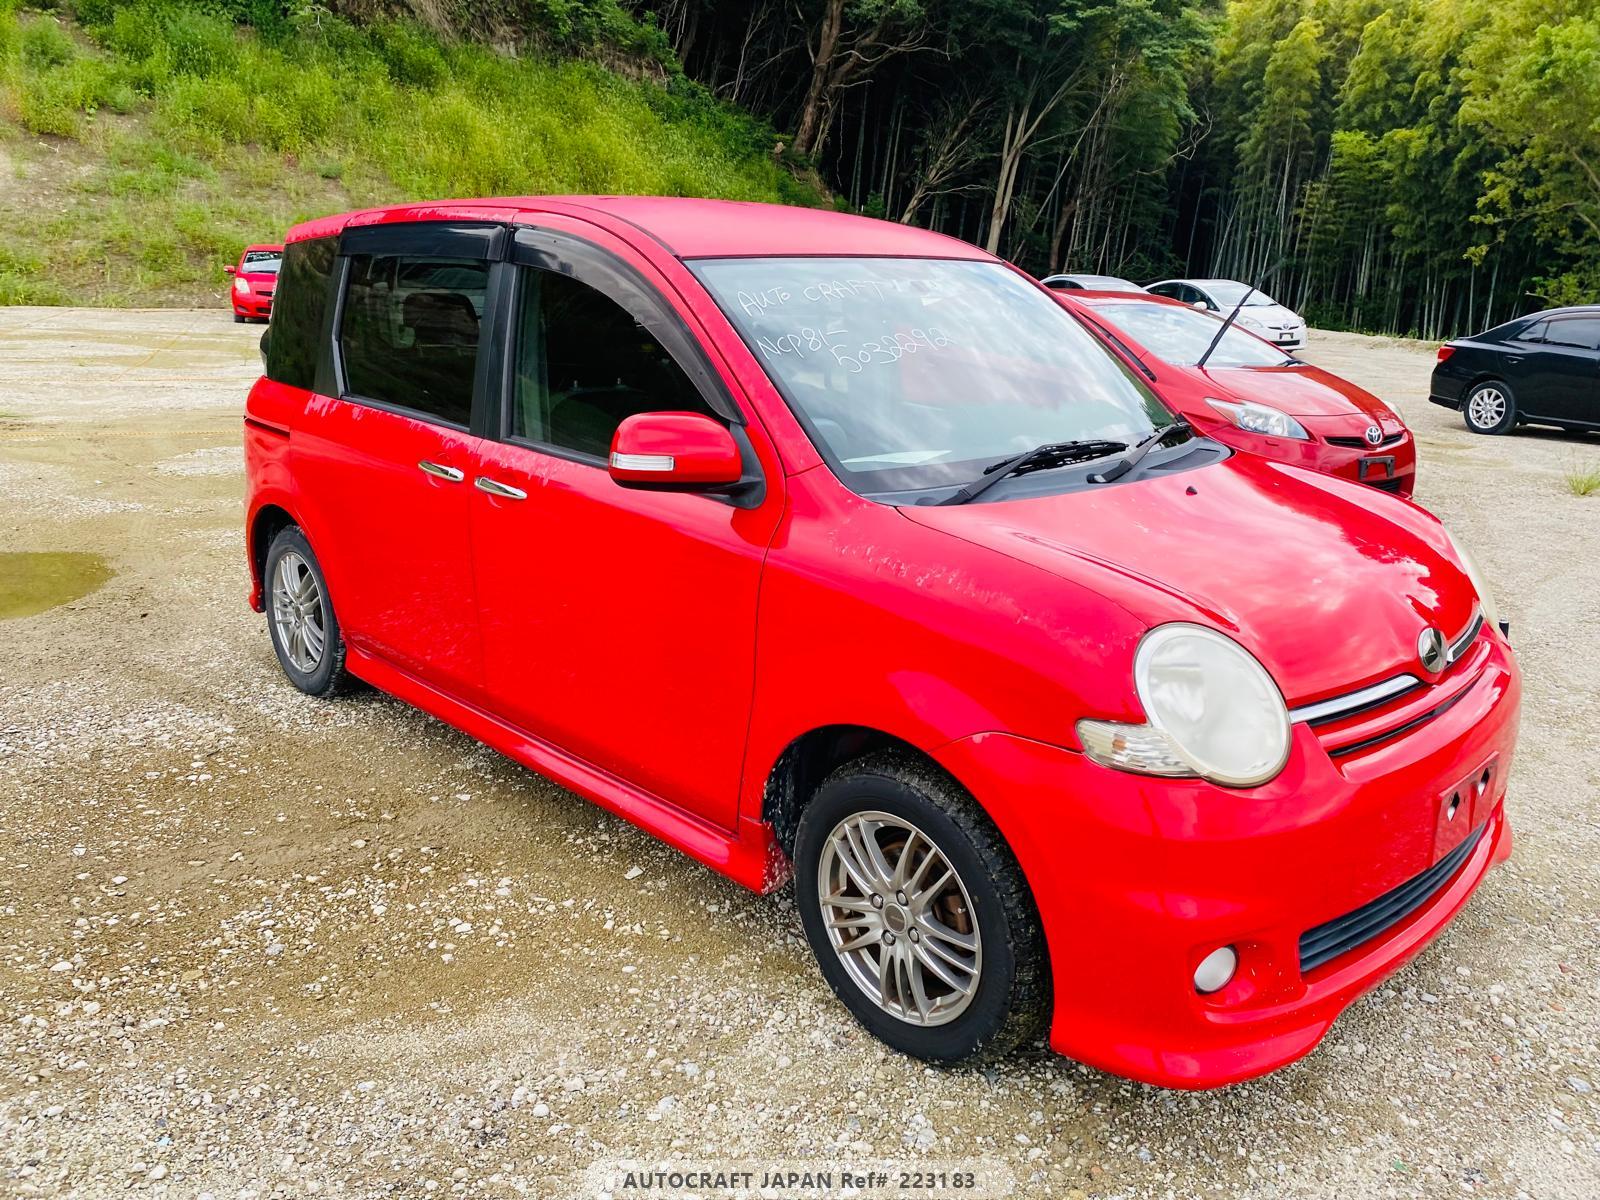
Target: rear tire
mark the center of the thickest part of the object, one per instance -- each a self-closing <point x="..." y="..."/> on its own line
<point x="966" y="976"/>
<point x="1489" y="407"/>
<point x="300" y="618"/>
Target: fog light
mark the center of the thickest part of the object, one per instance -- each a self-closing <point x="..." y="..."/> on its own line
<point x="1215" y="970"/>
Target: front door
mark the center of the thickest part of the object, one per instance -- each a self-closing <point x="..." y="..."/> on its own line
<point x="618" y="625"/>
<point x="1558" y="378"/>
<point x="390" y="462"/>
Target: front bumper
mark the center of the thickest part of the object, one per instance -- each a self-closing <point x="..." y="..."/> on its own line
<point x="1137" y="879"/>
<point x="1391" y="467"/>
<point x="253" y="305"/>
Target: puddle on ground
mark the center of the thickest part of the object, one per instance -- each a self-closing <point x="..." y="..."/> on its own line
<point x="31" y="583"/>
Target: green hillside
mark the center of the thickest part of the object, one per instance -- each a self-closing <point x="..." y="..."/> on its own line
<point x="142" y="144"/>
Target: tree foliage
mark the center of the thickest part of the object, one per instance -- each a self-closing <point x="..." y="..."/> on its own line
<point x="1411" y="166"/>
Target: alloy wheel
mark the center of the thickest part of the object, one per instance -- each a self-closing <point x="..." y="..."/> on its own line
<point x="1487" y="408"/>
<point x="298" y="612"/>
<point x="900" y="919"/>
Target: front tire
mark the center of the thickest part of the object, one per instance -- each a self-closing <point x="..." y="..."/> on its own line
<point x="1489" y="407"/>
<point x="300" y="617"/>
<point x="917" y="912"/>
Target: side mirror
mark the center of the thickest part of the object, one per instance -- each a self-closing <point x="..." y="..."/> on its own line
<point x="230" y="270"/>
<point x="1202" y="305"/>
<point x="674" y="452"/>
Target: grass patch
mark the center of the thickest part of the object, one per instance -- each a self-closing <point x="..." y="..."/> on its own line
<point x="1582" y="481"/>
<point x="198" y="136"/>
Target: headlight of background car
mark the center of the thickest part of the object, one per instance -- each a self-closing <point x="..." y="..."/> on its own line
<point x="1479" y="584"/>
<point x="242" y="286"/>
<point x="1213" y="711"/>
<point x="1260" y="418"/>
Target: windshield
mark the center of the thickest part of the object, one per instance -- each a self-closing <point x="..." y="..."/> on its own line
<point x="262" y="262"/>
<point x="1180" y="335"/>
<point x="1227" y="294"/>
<point x="918" y="373"/>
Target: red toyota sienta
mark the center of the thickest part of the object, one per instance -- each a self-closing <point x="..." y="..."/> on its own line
<point x="254" y="280"/>
<point x="799" y="538"/>
<point x="1249" y="394"/>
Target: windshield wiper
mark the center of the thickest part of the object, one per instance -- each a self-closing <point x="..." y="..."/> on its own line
<point x="1123" y="465"/>
<point x="1234" y="315"/>
<point x="1051" y="454"/>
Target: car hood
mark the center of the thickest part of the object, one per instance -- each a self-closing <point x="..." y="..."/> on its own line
<point x="1328" y="583"/>
<point x="258" y="278"/>
<point x="1303" y="391"/>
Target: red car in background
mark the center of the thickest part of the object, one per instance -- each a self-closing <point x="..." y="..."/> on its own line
<point x="255" y="278"/>
<point x="1251" y="395"/>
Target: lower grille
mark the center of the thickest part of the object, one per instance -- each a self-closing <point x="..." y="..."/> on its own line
<point x="1386" y="485"/>
<point x="1328" y="941"/>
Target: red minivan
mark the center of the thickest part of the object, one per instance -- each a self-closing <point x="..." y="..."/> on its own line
<point x="835" y="549"/>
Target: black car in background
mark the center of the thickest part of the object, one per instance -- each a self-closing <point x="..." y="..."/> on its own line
<point x="1542" y="369"/>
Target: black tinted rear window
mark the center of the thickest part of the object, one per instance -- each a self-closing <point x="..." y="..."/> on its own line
<point x="298" y="311"/>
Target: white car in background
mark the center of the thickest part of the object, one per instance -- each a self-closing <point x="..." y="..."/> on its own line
<point x="1261" y="314"/>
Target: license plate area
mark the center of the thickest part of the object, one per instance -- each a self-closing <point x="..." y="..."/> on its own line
<point x="1380" y="466"/>
<point x="1465" y="806"/>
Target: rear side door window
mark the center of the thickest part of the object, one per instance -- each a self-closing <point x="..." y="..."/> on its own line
<point x="410" y="331"/>
<point x="1580" y="332"/>
<point x="583" y="364"/>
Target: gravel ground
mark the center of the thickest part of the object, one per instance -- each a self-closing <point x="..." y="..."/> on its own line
<point x="257" y="945"/>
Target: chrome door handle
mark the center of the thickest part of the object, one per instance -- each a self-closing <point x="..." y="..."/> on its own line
<point x="504" y="490"/>
<point x="449" y="474"/>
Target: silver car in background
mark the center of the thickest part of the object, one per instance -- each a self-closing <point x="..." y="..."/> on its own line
<point x="1261" y="314"/>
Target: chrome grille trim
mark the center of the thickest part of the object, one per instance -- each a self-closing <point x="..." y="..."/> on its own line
<point x="1463" y="643"/>
<point x="1336" y="707"/>
<point x="1353" y="702"/>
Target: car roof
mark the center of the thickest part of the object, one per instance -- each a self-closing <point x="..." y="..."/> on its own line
<point x="687" y="227"/>
<point x="1587" y="310"/>
<point x="273" y="247"/>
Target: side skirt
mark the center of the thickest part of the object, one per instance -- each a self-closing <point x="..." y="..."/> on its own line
<point x="746" y="857"/>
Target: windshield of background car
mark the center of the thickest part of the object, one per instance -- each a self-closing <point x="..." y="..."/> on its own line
<point x="1180" y="335"/>
<point x="1229" y="294"/>
<point x="262" y="262"/>
<point x="918" y="373"/>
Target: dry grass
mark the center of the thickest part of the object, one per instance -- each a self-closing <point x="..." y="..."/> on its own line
<point x="1582" y="481"/>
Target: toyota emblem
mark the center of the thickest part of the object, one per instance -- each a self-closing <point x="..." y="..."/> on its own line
<point x="1374" y="435"/>
<point x="1431" y="650"/>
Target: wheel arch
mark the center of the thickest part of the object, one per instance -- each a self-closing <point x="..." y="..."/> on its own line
<point x="265" y="524"/>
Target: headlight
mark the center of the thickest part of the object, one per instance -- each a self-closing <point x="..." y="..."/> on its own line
<point x="1213" y="711"/>
<point x="1479" y="584"/>
<point x="1248" y="322"/>
<point x="1260" y="418"/>
<point x="242" y="286"/>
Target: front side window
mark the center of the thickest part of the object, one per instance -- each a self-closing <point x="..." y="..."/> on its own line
<point x="409" y="332"/>
<point x="1181" y="335"/>
<point x="298" y="310"/>
<point x="583" y="364"/>
<point x="918" y="373"/>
